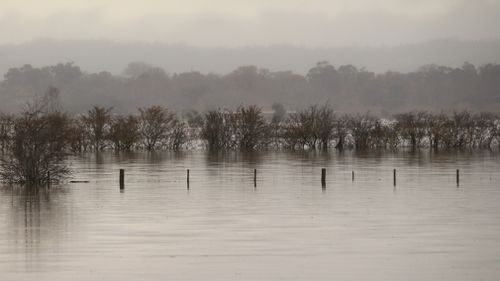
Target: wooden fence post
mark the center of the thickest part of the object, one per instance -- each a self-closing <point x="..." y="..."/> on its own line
<point x="122" y="179"/>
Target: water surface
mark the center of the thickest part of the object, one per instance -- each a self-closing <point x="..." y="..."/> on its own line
<point x="286" y="228"/>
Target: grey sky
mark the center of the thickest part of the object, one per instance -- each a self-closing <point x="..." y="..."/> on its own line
<point x="312" y="23"/>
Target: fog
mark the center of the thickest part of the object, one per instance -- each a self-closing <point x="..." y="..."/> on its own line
<point x="225" y="23"/>
<point x="377" y="55"/>
<point x="249" y="140"/>
<point x="106" y="55"/>
<point x="345" y="87"/>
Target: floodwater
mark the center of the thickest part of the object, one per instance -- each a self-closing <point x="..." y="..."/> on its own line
<point x="286" y="228"/>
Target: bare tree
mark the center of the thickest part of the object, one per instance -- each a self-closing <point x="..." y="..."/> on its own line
<point x="313" y="128"/>
<point x="412" y="127"/>
<point x="39" y="147"/>
<point x="379" y="134"/>
<point x="462" y="129"/>
<point x="296" y="134"/>
<point x="217" y="129"/>
<point x="324" y="126"/>
<point x="124" y="132"/>
<point x="154" y="125"/>
<point x="97" y="122"/>
<point x="77" y="136"/>
<point x="178" y="135"/>
<point x="341" y="131"/>
<point x="6" y="128"/>
<point x="484" y="130"/>
<point x="440" y="131"/>
<point x="362" y="127"/>
<point x="391" y="135"/>
<point x="299" y="129"/>
<point x="250" y="127"/>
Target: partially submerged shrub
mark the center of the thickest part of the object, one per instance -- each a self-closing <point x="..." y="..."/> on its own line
<point x="38" y="147"/>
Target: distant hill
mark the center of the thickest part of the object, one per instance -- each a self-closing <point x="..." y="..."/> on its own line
<point x="96" y="56"/>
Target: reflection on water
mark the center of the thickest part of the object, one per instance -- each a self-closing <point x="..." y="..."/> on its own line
<point x="288" y="228"/>
<point x="34" y="220"/>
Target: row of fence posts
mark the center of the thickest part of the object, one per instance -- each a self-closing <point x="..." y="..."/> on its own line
<point x="323" y="178"/>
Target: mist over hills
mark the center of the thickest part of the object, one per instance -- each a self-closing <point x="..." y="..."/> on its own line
<point x="439" y="75"/>
<point x="102" y="55"/>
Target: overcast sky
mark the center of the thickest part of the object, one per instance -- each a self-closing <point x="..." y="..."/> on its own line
<point x="228" y="23"/>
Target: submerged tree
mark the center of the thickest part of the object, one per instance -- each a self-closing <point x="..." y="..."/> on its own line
<point x="341" y="125"/>
<point x="412" y="126"/>
<point x="250" y="127"/>
<point x="362" y="128"/>
<point x="325" y="125"/>
<point x="6" y="126"/>
<point x="77" y="137"/>
<point x="178" y="135"/>
<point x="217" y="130"/>
<point x="297" y="131"/>
<point x="276" y="125"/>
<point x="39" y="147"/>
<point x="439" y="131"/>
<point x="97" y="122"/>
<point x="154" y="125"/>
<point x="310" y="128"/>
<point x="484" y="130"/>
<point x="124" y="132"/>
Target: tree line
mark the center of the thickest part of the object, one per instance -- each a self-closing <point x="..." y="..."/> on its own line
<point x="36" y="142"/>
<point x="248" y="128"/>
<point x="352" y="89"/>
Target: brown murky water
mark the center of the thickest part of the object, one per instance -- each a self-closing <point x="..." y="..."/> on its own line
<point x="287" y="228"/>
